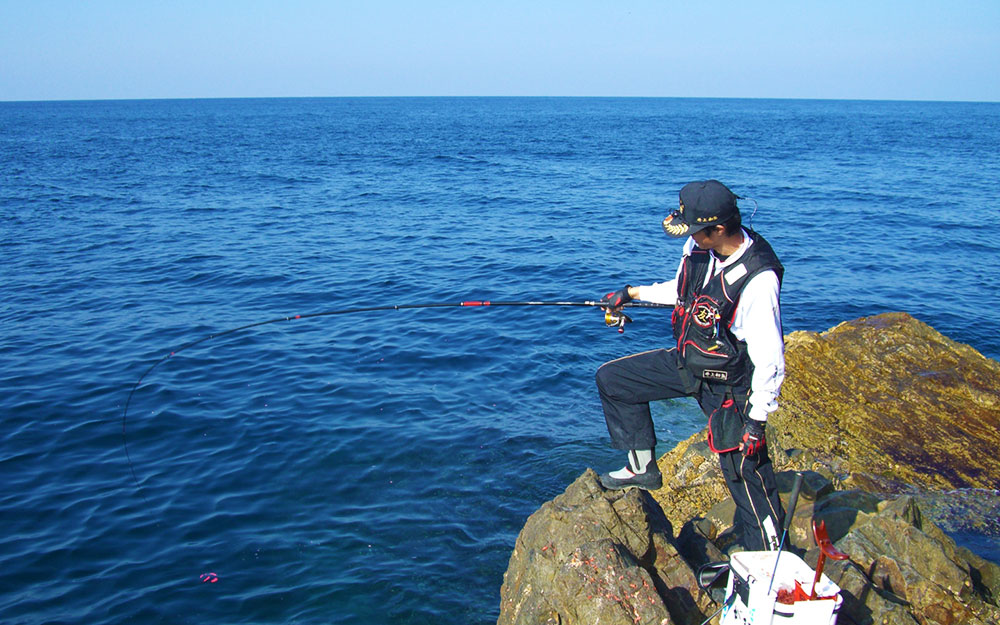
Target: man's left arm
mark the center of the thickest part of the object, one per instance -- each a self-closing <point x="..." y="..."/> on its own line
<point x="758" y="322"/>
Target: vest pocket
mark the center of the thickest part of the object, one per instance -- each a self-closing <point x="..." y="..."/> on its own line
<point x="707" y="347"/>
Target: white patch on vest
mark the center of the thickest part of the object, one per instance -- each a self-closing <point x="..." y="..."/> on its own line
<point x="736" y="273"/>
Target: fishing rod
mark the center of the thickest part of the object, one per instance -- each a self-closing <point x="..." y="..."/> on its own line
<point x="613" y="317"/>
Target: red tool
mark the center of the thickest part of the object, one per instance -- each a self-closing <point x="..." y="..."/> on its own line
<point x="826" y="550"/>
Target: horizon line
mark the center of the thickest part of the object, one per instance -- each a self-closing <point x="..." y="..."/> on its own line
<point x="498" y="97"/>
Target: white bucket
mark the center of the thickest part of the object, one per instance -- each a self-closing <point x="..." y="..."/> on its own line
<point x="749" y="602"/>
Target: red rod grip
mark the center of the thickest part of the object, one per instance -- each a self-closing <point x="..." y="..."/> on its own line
<point x="475" y="303"/>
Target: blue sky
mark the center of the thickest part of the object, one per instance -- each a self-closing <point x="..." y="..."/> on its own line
<point x="900" y="50"/>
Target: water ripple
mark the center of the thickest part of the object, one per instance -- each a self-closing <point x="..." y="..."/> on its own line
<point x="377" y="468"/>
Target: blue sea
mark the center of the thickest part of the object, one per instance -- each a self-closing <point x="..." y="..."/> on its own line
<point x="377" y="467"/>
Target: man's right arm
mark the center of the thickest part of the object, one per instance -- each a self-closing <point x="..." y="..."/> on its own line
<point x="656" y="293"/>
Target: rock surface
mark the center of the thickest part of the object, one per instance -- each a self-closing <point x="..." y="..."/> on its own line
<point x="597" y="556"/>
<point x="888" y="401"/>
<point x="878" y="414"/>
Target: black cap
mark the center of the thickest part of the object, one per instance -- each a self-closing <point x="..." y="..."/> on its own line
<point x="704" y="203"/>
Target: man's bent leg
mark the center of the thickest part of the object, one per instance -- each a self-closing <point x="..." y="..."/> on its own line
<point x="627" y="385"/>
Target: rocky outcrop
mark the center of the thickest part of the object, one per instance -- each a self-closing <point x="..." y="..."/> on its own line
<point x="888" y="402"/>
<point x="882" y="404"/>
<point x="878" y="415"/>
<point x="597" y="556"/>
<point x="611" y="557"/>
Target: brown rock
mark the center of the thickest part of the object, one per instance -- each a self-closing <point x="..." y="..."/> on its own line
<point x="597" y="556"/>
<point x="893" y="401"/>
<point x="692" y="481"/>
<point x="875" y="404"/>
<point x="985" y="576"/>
<point x="897" y="559"/>
<point x="864" y="603"/>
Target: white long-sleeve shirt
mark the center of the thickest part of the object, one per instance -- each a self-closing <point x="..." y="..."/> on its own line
<point x="757" y="321"/>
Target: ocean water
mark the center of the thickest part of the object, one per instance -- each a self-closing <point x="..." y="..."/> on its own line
<point x="376" y="468"/>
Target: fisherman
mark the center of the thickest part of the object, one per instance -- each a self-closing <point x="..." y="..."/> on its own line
<point x="729" y="355"/>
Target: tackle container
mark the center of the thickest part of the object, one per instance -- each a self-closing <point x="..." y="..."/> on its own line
<point x="750" y="603"/>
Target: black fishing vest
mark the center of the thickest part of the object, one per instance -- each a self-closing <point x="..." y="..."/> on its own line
<point x="704" y="313"/>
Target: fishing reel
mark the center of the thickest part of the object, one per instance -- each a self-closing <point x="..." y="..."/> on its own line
<point x="616" y="319"/>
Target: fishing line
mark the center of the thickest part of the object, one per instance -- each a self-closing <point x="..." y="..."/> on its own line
<point x="611" y="318"/>
<point x="750" y="199"/>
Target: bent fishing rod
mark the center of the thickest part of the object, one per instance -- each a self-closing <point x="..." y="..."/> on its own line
<point x="613" y="317"/>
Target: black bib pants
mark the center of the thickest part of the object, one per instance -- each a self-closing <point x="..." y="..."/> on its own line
<point x="628" y="384"/>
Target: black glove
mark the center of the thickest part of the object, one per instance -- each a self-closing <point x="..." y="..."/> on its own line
<point x="616" y="299"/>
<point x="753" y="437"/>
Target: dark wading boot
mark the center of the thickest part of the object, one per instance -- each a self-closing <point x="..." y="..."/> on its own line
<point x="652" y="479"/>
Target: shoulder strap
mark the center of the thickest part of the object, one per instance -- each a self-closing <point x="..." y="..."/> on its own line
<point x="759" y="257"/>
<point x="693" y="273"/>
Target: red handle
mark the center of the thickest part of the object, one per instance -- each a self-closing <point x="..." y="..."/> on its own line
<point x="826" y="550"/>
